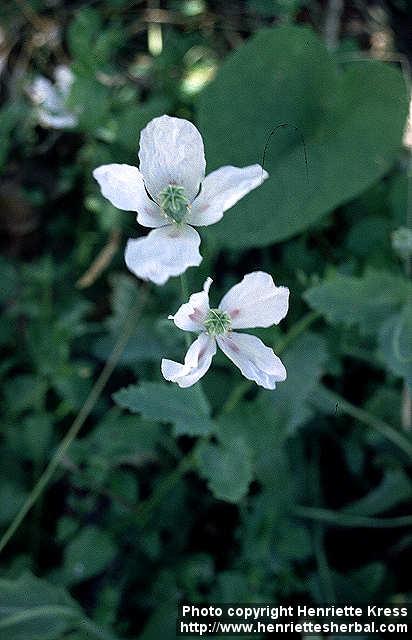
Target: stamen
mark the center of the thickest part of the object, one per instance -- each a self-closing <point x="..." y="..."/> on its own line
<point x="217" y="322"/>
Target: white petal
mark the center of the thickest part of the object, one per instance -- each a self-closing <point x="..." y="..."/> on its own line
<point x="44" y="93"/>
<point x="197" y="362"/>
<point x="123" y="186"/>
<point x="221" y="189"/>
<point x="64" y="120"/>
<point x="192" y="314"/>
<point x="165" y="252"/>
<point x="256" y="301"/>
<point x="171" y="152"/>
<point x="256" y="361"/>
<point x="64" y="79"/>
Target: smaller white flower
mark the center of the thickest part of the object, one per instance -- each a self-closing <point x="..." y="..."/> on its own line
<point x="253" y="302"/>
<point x="50" y="99"/>
<point x="407" y="135"/>
<point x="171" y="194"/>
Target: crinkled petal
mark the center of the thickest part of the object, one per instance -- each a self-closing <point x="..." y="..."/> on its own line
<point x="192" y="314"/>
<point x="197" y="362"/>
<point x="256" y="302"/>
<point x="256" y="361"/>
<point x="171" y="152"/>
<point x="123" y="186"/>
<point x="221" y="189"/>
<point x="164" y="252"/>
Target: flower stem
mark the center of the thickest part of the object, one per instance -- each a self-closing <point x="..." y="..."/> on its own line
<point x="185" y="298"/>
<point x="77" y="424"/>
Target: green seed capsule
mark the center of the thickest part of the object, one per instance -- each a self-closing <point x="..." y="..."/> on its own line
<point x="173" y="203"/>
<point x="217" y="322"/>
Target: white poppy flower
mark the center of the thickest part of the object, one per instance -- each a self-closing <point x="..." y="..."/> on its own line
<point x="171" y="194"/>
<point x="253" y="302"/>
<point x="50" y="99"/>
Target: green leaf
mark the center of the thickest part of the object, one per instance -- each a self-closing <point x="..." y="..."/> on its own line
<point x="118" y="439"/>
<point x="186" y="409"/>
<point x="24" y="392"/>
<point x="227" y="468"/>
<point x="365" y="301"/>
<point x="285" y="75"/>
<point x="395" y="344"/>
<point x="33" y="609"/>
<point x="90" y="42"/>
<point x="12" y="499"/>
<point x="38" y="429"/>
<point x="88" y="554"/>
<point x="305" y="363"/>
<point x="90" y="100"/>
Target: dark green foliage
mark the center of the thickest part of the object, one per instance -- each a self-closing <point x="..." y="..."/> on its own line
<point x="224" y="491"/>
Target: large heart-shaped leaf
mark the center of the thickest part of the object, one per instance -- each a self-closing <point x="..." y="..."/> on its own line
<point x="350" y="117"/>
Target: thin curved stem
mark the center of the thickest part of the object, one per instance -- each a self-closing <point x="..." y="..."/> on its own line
<point x="323" y="396"/>
<point x="77" y="424"/>
<point x="343" y="519"/>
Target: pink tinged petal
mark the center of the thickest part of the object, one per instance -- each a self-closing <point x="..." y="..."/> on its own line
<point x="191" y="316"/>
<point x="256" y="301"/>
<point x="164" y="252"/>
<point x="197" y="362"/>
<point x="221" y="189"/>
<point x="123" y="186"/>
<point x="171" y="152"/>
<point x="256" y="361"/>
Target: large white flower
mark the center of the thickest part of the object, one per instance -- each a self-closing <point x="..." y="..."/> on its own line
<point x="50" y="99"/>
<point x="170" y="193"/>
<point x="253" y="302"/>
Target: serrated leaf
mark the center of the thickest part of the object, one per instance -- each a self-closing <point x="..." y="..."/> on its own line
<point x="119" y="438"/>
<point x="285" y="75"/>
<point x="365" y="301"/>
<point x="186" y="409"/>
<point x="227" y="468"/>
<point x="33" y="609"/>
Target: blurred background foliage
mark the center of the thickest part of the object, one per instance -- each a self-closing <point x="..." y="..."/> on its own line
<point x="234" y="494"/>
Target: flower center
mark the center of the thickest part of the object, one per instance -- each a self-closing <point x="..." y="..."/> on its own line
<point x="217" y="322"/>
<point x="173" y="203"/>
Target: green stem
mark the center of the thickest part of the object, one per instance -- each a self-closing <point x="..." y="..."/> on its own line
<point x="72" y="433"/>
<point x="185" y="296"/>
<point x="325" y="576"/>
<point x="349" y="520"/>
<point x="322" y="395"/>
<point x="296" y="330"/>
<point x="145" y="510"/>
